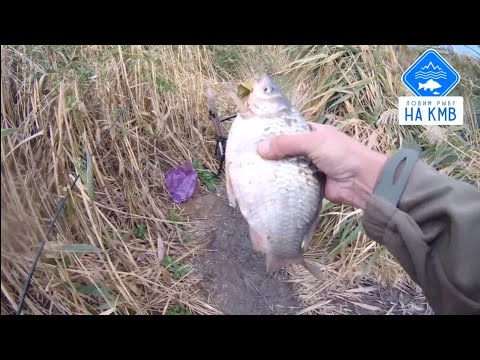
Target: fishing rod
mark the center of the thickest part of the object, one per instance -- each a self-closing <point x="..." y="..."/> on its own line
<point x="222" y="137"/>
<point x="60" y="205"/>
<point x="220" y="154"/>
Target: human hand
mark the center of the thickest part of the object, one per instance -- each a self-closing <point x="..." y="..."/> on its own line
<point x="351" y="168"/>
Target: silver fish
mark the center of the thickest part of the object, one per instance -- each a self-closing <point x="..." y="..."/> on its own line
<point x="280" y="199"/>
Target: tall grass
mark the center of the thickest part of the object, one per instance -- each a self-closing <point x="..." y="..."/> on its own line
<point x="120" y="245"/>
<point x="59" y="102"/>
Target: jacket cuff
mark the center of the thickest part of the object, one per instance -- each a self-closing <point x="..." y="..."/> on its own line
<point x="388" y="190"/>
<point x="394" y="176"/>
<point x="377" y="215"/>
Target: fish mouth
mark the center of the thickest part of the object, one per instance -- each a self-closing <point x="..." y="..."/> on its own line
<point x="244" y="89"/>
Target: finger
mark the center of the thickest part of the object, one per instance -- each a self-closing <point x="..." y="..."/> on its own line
<point x="314" y="126"/>
<point x="285" y="145"/>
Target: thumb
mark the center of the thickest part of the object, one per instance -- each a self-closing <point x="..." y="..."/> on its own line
<point x="285" y="145"/>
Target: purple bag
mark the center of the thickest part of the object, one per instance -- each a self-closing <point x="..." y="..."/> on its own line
<point x="182" y="183"/>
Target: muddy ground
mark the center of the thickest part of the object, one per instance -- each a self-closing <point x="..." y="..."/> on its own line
<point x="235" y="279"/>
<point x="234" y="275"/>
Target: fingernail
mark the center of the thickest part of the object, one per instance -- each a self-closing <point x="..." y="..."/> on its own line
<point x="264" y="147"/>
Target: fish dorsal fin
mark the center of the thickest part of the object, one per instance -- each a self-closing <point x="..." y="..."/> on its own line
<point x="307" y="237"/>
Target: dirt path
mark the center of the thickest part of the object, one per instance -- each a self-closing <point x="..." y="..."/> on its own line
<point x="235" y="280"/>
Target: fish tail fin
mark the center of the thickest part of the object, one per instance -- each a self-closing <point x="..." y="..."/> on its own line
<point x="419" y="86"/>
<point x="314" y="269"/>
<point x="275" y="264"/>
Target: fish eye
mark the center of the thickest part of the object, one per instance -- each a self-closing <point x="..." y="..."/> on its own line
<point x="268" y="89"/>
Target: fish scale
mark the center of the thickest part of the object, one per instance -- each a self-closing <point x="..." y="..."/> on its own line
<point x="280" y="199"/>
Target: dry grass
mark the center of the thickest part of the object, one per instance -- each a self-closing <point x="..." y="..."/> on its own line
<point x="63" y="100"/>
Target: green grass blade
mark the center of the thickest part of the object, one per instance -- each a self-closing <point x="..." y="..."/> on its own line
<point x="8" y="131"/>
<point x="89" y="176"/>
<point x="77" y="248"/>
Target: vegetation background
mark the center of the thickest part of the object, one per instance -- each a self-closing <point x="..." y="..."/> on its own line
<point x="120" y="245"/>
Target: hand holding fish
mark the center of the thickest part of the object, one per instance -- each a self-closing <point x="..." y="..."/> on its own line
<point x="279" y="167"/>
<point x="351" y="168"/>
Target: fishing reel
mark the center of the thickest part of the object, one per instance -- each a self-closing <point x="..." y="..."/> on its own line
<point x="221" y="145"/>
<point x="220" y="152"/>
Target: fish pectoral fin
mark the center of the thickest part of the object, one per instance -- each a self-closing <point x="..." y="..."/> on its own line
<point x="230" y="193"/>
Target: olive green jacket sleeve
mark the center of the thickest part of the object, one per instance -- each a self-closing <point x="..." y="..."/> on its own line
<point x="434" y="233"/>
